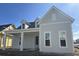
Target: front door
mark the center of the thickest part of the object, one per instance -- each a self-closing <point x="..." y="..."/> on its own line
<point x="37" y="42"/>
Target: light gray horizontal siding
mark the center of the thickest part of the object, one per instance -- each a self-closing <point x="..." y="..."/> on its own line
<point x="28" y="41"/>
<point x="54" y="29"/>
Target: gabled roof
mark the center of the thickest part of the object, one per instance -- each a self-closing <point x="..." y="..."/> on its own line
<point x="30" y="24"/>
<point x="2" y="27"/>
<point x="64" y="14"/>
<point x="24" y="21"/>
<point x="19" y="27"/>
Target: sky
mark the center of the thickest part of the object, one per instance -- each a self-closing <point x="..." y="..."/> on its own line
<point x="14" y="13"/>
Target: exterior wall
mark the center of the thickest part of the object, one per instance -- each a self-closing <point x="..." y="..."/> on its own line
<point x="58" y="17"/>
<point x="28" y="41"/>
<point x="54" y="29"/>
<point x="9" y="28"/>
<point x="8" y="41"/>
<point x="15" y="41"/>
<point x="8" y="38"/>
<point x="26" y="26"/>
<point x="54" y="24"/>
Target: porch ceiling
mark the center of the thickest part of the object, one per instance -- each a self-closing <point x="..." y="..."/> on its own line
<point x="23" y="30"/>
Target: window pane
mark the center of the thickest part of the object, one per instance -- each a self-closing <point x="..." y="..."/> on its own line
<point x="62" y="38"/>
<point x="37" y="40"/>
<point x="23" y="26"/>
<point x="47" y="42"/>
<point x="47" y="36"/>
<point x="63" y="43"/>
<point x="37" y="25"/>
<point x="62" y="34"/>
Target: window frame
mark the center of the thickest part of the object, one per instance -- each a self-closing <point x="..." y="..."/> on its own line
<point x="65" y="39"/>
<point x="37" y="24"/>
<point x="49" y="39"/>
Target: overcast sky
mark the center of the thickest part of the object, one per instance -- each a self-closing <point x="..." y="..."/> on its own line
<point x="14" y="13"/>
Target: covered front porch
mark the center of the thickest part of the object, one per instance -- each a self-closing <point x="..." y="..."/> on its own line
<point x="23" y="39"/>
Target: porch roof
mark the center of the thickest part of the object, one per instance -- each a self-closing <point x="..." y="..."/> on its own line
<point x="23" y="30"/>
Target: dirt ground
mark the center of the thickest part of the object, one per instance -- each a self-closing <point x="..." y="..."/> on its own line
<point x="34" y="53"/>
<point x="76" y="51"/>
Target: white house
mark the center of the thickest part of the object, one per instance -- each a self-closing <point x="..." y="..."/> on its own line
<point x="50" y="33"/>
<point x="6" y="27"/>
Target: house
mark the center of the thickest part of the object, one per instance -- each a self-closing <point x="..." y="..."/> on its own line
<point x="50" y="33"/>
<point x="6" y="27"/>
<point x="77" y="41"/>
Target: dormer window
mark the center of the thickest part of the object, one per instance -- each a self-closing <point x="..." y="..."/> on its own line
<point x="23" y="25"/>
<point x="37" y="24"/>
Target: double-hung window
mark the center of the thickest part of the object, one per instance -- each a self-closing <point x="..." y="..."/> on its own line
<point x="62" y="38"/>
<point x="47" y="38"/>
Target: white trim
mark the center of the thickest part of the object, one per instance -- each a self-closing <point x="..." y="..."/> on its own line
<point x="54" y="23"/>
<point x="65" y="38"/>
<point x="45" y="39"/>
<point x="61" y="12"/>
<point x="36" y="23"/>
<point x="4" y="41"/>
<point x="22" y="37"/>
<point x="23" y="30"/>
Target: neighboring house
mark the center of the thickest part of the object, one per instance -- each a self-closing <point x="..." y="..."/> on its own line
<point x="77" y="41"/>
<point x="3" y="28"/>
<point x="51" y="33"/>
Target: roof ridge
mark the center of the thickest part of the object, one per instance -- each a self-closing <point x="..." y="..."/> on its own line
<point x="5" y="24"/>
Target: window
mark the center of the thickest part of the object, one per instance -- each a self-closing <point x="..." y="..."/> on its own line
<point x="62" y="37"/>
<point x="47" y="42"/>
<point x="63" y="43"/>
<point x="47" y="39"/>
<point x="20" y="41"/>
<point x="23" y="26"/>
<point x="47" y="36"/>
<point x="37" y="24"/>
<point x="37" y="40"/>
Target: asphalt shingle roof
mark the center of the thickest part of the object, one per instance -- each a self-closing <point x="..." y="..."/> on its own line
<point x="30" y="24"/>
<point x="2" y="27"/>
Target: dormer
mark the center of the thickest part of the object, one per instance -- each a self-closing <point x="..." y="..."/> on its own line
<point x="24" y="24"/>
<point x="37" y="23"/>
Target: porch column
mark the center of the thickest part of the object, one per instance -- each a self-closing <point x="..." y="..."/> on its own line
<point x="21" y="46"/>
<point x="4" y="41"/>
